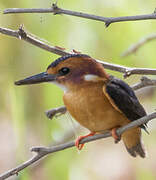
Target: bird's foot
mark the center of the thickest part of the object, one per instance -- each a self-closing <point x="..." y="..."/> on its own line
<point x="115" y="136"/>
<point x="77" y="142"/>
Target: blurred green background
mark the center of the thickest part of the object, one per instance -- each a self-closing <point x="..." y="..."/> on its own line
<point x="22" y="120"/>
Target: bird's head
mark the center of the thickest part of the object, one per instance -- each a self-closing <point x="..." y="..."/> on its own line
<point x="69" y="71"/>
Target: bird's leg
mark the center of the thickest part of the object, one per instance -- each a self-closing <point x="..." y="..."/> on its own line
<point x="77" y="142"/>
<point x="115" y="136"/>
<point x="56" y="112"/>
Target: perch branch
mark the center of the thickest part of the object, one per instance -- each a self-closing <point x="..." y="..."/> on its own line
<point x="23" y="35"/>
<point x="56" y="10"/>
<point x="145" y="82"/>
<point x="134" y="48"/>
<point x="44" y="151"/>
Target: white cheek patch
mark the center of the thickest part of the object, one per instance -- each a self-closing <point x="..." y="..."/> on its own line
<point x="64" y="88"/>
<point x="92" y="77"/>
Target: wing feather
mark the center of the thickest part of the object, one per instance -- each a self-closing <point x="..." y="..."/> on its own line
<point x="124" y="99"/>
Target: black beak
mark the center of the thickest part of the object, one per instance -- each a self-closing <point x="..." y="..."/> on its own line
<point x="38" y="78"/>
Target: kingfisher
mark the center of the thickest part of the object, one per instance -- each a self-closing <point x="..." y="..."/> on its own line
<point x="98" y="101"/>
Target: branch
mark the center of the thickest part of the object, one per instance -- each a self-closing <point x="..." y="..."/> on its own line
<point x="129" y="71"/>
<point x="56" y="10"/>
<point x="134" y="48"/>
<point x="44" y="151"/>
<point x="144" y="83"/>
<point x="23" y="35"/>
<point x="56" y="112"/>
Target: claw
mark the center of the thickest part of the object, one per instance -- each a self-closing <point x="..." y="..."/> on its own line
<point x="77" y="142"/>
<point x="115" y="136"/>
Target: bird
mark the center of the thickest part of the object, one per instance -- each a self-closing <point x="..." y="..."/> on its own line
<point x="97" y="100"/>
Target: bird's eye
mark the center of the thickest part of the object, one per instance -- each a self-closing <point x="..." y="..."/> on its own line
<point x="64" y="71"/>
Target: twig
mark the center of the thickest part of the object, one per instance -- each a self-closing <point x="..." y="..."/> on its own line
<point x="56" y="112"/>
<point x="56" y="10"/>
<point x="144" y="83"/>
<point x="44" y="151"/>
<point x="129" y="71"/>
<point x="133" y="48"/>
<point x="21" y="34"/>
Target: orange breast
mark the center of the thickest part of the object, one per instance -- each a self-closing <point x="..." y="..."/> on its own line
<point x="92" y="109"/>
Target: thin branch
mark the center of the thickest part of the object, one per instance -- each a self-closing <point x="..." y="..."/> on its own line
<point x="144" y="82"/>
<point x="129" y="71"/>
<point x="56" y="10"/>
<point x="134" y="48"/>
<point x="23" y="35"/>
<point x="44" y="151"/>
<point x="56" y="112"/>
